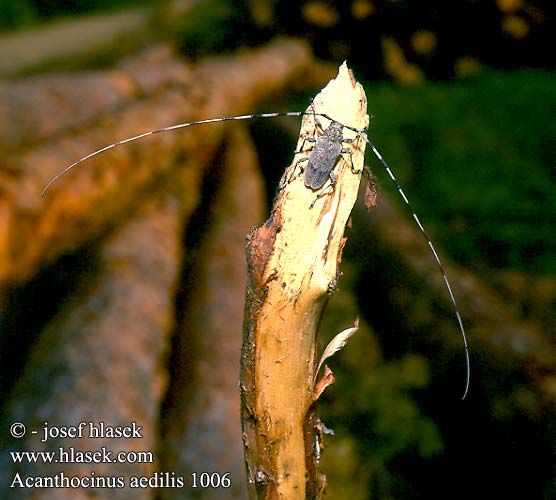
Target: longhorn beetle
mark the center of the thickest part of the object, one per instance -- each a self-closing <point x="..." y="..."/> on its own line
<point x="320" y="165"/>
<point x="324" y="156"/>
<point x="325" y="153"/>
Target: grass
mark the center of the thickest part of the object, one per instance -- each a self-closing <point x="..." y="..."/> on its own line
<point x="477" y="160"/>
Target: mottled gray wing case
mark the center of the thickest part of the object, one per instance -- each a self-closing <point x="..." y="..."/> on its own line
<point x="324" y="157"/>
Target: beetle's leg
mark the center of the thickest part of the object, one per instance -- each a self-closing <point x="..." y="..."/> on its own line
<point x="326" y="191"/>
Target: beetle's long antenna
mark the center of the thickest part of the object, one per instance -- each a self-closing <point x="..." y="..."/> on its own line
<point x="429" y="242"/>
<point x="298" y="113"/>
<point x="436" y="258"/>
<point x="165" y="129"/>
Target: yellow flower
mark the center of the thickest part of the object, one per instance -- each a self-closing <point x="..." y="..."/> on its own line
<point x="319" y="14"/>
<point x="396" y="64"/>
<point x="466" y="66"/>
<point x="515" y="26"/>
<point x="361" y="9"/>
<point x="423" y="42"/>
<point x="509" y="5"/>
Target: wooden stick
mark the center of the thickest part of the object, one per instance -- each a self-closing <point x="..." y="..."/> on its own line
<point x="293" y="265"/>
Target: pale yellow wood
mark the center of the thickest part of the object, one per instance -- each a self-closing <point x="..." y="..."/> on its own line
<point x="301" y="260"/>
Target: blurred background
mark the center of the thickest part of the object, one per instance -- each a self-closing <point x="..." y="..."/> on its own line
<point x="121" y="291"/>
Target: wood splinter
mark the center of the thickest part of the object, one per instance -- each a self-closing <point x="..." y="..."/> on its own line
<point x="293" y="259"/>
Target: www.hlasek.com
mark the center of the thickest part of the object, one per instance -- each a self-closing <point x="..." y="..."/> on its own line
<point x="102" y="455"/>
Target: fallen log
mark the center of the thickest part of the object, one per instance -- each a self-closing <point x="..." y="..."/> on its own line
<point x="34" y="231"/>
<point x="102" y="359"/>
<point x="201" y="424"/>
<point x="37" y="108"/>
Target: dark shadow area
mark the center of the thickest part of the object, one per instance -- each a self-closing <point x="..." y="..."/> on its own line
<point x="28" y="308"/>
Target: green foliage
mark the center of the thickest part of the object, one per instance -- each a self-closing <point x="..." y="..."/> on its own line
<point x="51" y="8"/>
<point x="21" y="13"/>
<point x="213" y="27"/>
<point x="378" y="408"/>
<point x="16" y="13"/>
<point x="372" y="412"/>
<point x="477" y="160"/>
<point x="371" y="409"/>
